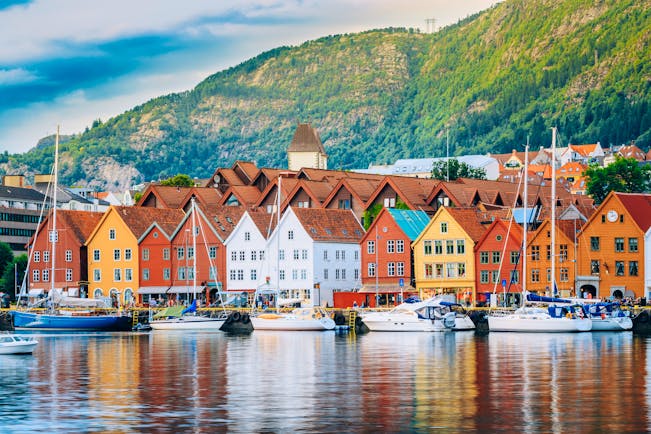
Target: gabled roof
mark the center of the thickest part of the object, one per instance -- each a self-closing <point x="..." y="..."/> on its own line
<point x="163" y="196"/>
<point x="330" y="225"/>
<point x="19" y="193"/>
<point x="140" y="219"/>
<point x="223" y="219"/>
<point x="286" y="185"/>
<point x="513" y="229"/>
<point x="247" y="195"/>
<point x="571" y="168"/>
<point x="246" y="170"/>
<point x="306" y="139"/>
<point x="265" y="222"/>
<point x="317" y="190"/>
<point x="410" y="222"/>
<point x="638" y="206"/>
<point x="81" y="223"/>
<point x="413" y="191"/>
<point x="584" y="150"/>
<point x="207" y="196"/>
<point x="361" y="189"/>
<point x="472" y="221"/>
<point x="334" y="175"/>
<point x="632" y="151"/>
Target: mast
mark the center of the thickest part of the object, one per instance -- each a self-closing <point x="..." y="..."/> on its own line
<point x="194" y="252"/>
<point x="526" y="221"/>
<point x="280" y="177"/>
<point x="553" y="219"/>
<point x="53" y="233"/>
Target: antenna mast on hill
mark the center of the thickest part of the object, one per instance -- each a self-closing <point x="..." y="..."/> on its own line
<point x="430" y="25"/>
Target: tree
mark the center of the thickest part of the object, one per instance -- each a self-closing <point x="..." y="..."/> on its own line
<point x="625" y="175"/>
<point x="455" y="169"/>
<point x="180" y="180"/>
<point x="6" y="256"/>
<point x="17" y="267"/>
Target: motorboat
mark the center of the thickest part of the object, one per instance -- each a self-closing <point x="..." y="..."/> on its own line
<point x="299" y="319"/>
<point x="16" y="344"/>
<point x="431" y="315"/>
<point x="608" y="317"/>
<point x="554" y="319"/>
<point x="182" y="318"/>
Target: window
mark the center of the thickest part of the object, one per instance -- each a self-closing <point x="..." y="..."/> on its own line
<point x="212" y="252"/>
<point x="496" y="257"/>
<point x="116" y="254"/>
<point x="632" y="244"/>
<point x="254" y="255"/>
<point x="594" y="266"/>
<point x="190" y="252"/>
<point x="427" y="247"/>
<point x="428" y="271"/>
<point x="356" y="255"/>
<point x="233" y="255"/>
<point x="261" y="255"/>
<point x="242" y="255"/>
<point x="449" y="247"/>
<point x="562" y="252"/>
<point x="619" y="245"/>
<point x="438" y="247"/>
<point x="370" y="247"/>
<point x="46" y="256"/>
<point x="461" y="247"/>
<point x="96" y="255"/>
<point x="304" y="254"/>
<point x="451" y="269"/>
<point x="461" y="269"/>
<point x="68" y="255"/>
<point x="281" y="274"/>
<point x="166" y="274"/>
<point x="36" y="275"/>
<point x="337" y="274"/>
<point x="391" y="246"/>
<point x="356" y="273"/>
<point x="212" y="272"/>
<point x="495" y="276"/>
<point x="565" y="274"/>
<point x="594" y="244"/>
<point x="68" y="274"/>
<point x="180" y="252"/>
<point x="549" y="275"/>
<point x="232" y="275"/>
<point x="37" y="256"/>
<point x="632" y="268"/>
<point x="400" y="268"/>
<point x="619" y="268"/>
<point x="290" y="235"/>
<point x="548" y="249"/>
<point x="325" y="274"/>
<point x="389" y="202"/>
<point x="444" y="227"/>
<point x="535" y="253"/>
<point x="127" y="254"/>
<point x="117" y="274"/>
<point x="400" y="246"/>
<point x="344" y="204"/>
<point x="111" y="234"/>
<point x="247" y="236"/>
<point x="166" y="254"/>
<point x="438" y="270"/>
<point x="391" y="268"/>
<point x="515" y="256"/>
<point x="343" y="255"/>
<point x="483" y="257"/>
<point x="97" y="275"/>
<point x="240" y="274"/>
<point x="296" y="255"/>
<point x="483" y="276"/>
<point x="281" y="254"/>
<point x="181" y="274"/>
<point x="128" y="274"/>
<point x="371" y="269"/>
<point x="254" y="275"/>
<point x="515" y="276"/>
<point x="343" y="274"/>
<point x="294" y="274"/>
<point x="535" y="275"/>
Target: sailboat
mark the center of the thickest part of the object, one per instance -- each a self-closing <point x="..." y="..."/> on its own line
<point x="531" y="318"/>
<point x="312" y="318"/>
<point x="93" y="317"/>
<point x="186" y="318"/>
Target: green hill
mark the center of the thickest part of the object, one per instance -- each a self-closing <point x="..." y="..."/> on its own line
<point x="490" y="80"/>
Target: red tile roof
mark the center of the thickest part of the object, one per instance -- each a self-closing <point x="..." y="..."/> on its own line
<point x="139" y="219"/>
<point x="82" y="223"/>
<point x="333" y="225"/>
<point x="638" y="206"/>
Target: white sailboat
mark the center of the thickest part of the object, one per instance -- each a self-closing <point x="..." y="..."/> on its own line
<point x="432" y="315"/>
<point x="528" y="318"/>
<point x="180" y="317"/>
<point x="300" y="319"/>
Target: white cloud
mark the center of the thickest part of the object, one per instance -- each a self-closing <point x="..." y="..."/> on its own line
<point x="15" y="76"/>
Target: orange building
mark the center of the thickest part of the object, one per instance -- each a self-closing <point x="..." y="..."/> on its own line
<point x="611" y="247"/>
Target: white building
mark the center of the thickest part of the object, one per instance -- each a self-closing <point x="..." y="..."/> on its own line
<point x="314" y="252"/>
<point x="422" y="167"/>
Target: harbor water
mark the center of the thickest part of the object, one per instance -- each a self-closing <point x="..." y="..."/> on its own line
<point x="326" y="382"/>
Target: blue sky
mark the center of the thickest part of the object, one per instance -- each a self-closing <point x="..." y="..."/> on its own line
<point x="69" y="62"/>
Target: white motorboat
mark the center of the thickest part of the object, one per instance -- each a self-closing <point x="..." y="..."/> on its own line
<point x="431" y="315"/>
<point x="556" y="319"/>
<point x="300" y="319"/>
<point x="16" y="344"/>
<point x="181" y="318"/>
<point x="608" y="317"/>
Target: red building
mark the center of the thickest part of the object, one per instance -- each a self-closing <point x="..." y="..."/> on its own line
<point x="498" y="261"/>
<point x="70" y="260"/>
<point x="387" y="261"/>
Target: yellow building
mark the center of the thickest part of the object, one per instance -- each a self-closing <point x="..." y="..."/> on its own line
<point x="444" y="261"/>
<point x="113" y="253"/>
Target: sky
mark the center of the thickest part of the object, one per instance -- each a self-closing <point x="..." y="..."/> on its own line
<point x="70" y="62"/>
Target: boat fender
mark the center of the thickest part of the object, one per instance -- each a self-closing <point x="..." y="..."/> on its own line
<point x="236" y="316"/>
<point x="568" y="315"/>
<point x="245" y="318"/>
<point x="643" y="316"/>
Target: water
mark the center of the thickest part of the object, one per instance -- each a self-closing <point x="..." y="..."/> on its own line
<point x="323" y="382"/>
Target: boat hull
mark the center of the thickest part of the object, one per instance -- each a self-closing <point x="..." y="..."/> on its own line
<point x="188" y="323"/>
<point x="57" y="322"/>
<point x="12" y="344"/>
<point x="384" y="322"/>
<point x="293" y="324"/>
<point x="612" y="324"/>
<point x="517" y="323"/>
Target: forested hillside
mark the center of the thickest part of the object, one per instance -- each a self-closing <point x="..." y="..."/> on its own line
<point x="490" y="81"/>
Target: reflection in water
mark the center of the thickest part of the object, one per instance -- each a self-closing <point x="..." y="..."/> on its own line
<point x="323" y="382"/>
